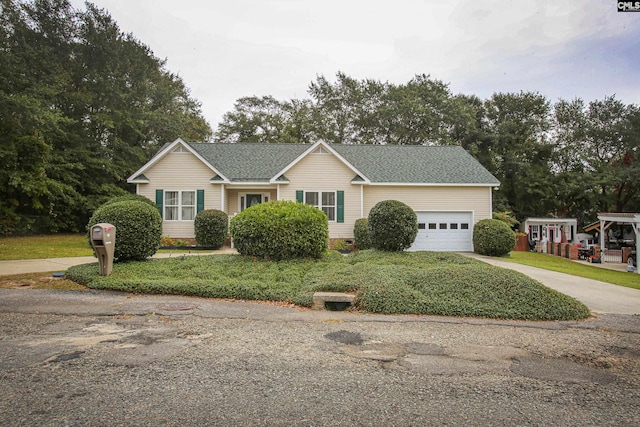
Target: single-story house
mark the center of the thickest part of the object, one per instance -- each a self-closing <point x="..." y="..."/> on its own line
<point x="449" y="190"/>
<point x="557" y="230"/>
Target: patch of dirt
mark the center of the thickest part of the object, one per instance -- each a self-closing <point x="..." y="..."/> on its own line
<point x="39" y="281"/>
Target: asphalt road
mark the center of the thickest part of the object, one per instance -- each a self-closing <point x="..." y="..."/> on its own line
<point x="87" y="358"/>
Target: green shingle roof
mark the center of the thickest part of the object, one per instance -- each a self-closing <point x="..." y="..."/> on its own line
<point x="379" y="163"/>
<point x="249" y="162"/>
<point x="416" y="164"/>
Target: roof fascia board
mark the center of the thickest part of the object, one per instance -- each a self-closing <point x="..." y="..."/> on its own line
<point x="629" y="218"/>
<point x="203" y="160"/>
<point x="234" y="184"/>
<point x="432" y="184"/>
<point x="138" y="181"/>
<point x="169" y="148"/>
<point x="155" y="159"/>
<point x="310" y="150"/>
<point x="549" y="220"/>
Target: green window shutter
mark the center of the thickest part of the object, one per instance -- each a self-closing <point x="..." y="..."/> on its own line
<point x="200" y="201"/>
<point x="340" y="213"/>
<point x="300" y="196"/>
<point x="159" y="200"/>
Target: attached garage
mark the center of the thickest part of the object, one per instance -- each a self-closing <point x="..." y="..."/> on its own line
<point x="444" y="231"/>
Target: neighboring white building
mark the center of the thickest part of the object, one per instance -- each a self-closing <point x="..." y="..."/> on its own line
<point x="551" y="229"/>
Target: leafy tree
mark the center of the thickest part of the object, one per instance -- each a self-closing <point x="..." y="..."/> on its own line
<point x="598" y="147"/>
<point x="82" y="105"/>
<point x="253" y="120"/>
<point x="567" y="159"/>
<point x="518" y="125"/>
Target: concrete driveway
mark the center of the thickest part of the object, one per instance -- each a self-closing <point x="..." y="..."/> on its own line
<point x="600" y="297"/>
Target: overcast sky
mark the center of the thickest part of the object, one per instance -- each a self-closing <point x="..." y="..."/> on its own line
<point x="224" y="50"/>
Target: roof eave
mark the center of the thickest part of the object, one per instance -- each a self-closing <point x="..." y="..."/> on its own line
<point x="167" y="150"/>
<point x="310" y="150"/>
<point x="436" y="184"/>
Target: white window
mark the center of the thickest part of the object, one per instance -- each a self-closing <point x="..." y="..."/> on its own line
<point x="323" y="200"/>
<point x="179" y="205"/>
<point x="535" y="232"/>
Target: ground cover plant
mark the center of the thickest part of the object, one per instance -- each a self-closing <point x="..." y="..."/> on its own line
<point x="563" y="265"/>
<point x="427" y="283"/>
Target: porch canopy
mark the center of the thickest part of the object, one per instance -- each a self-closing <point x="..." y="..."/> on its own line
<point x="609" y="218"/>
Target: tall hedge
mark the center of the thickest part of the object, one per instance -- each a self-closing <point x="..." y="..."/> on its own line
<point x="138" y="228"/>
<point x="211" y="227"/>
<point x="361" y="234"/>
<point x="279" y="230"/>
<point x="493" y="237"/>
<point x="393" y="226"/>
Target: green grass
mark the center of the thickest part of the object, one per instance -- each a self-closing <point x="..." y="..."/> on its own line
<point x="391" y="283"/>
<point x="563" y="265"/>
<point x="38" y="247"/>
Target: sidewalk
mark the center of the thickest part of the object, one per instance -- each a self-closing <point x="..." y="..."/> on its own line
<point x="61" y="264"/>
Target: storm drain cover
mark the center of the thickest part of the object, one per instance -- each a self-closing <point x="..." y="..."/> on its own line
<point x="176" y="306"/>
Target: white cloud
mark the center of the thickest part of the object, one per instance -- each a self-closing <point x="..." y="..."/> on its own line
<point x="226" y="50"/>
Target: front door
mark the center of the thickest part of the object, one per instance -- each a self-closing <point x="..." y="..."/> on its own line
<point x="253" y="199"/>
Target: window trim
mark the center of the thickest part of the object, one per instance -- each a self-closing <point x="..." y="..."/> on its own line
<point x="179" y="205"/>
<point x="320" y="204"/>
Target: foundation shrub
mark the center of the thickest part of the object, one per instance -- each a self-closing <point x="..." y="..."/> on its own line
<point x="211" y="227"/>
<point x="138" y="228"/>
<point x="393" y="226"/>
<point x="493" y="237"/>
<point x="281" y="230"/>
<point x="361" y="234"/>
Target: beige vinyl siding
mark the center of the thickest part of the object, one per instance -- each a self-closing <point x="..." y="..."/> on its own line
<point x="181" y="171"/>
<point x="443" y="199"/>
<point x="325" y="172"/>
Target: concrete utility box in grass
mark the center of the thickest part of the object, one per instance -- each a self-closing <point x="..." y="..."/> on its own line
<point x="103" y="240"/>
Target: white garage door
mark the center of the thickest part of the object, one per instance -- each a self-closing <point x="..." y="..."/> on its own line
<point x="444" y="231"/>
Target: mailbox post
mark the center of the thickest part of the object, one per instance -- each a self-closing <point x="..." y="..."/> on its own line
<point x="103" y="240"/>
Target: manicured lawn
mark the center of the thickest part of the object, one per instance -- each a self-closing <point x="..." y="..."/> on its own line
<point x="391" y="283"/>
<point x="563" y="265"/>
<point x="38" y="247"/>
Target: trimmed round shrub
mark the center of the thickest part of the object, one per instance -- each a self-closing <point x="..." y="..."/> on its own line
<point x="211" y="228"/>
<point x="393" y="226"/>
<point x="281" y="229"/>
<point x="493" y="237"/>
<point x="136" y="197"/>
<point x="361" y="234"/>
<point x="138" y="228"/>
